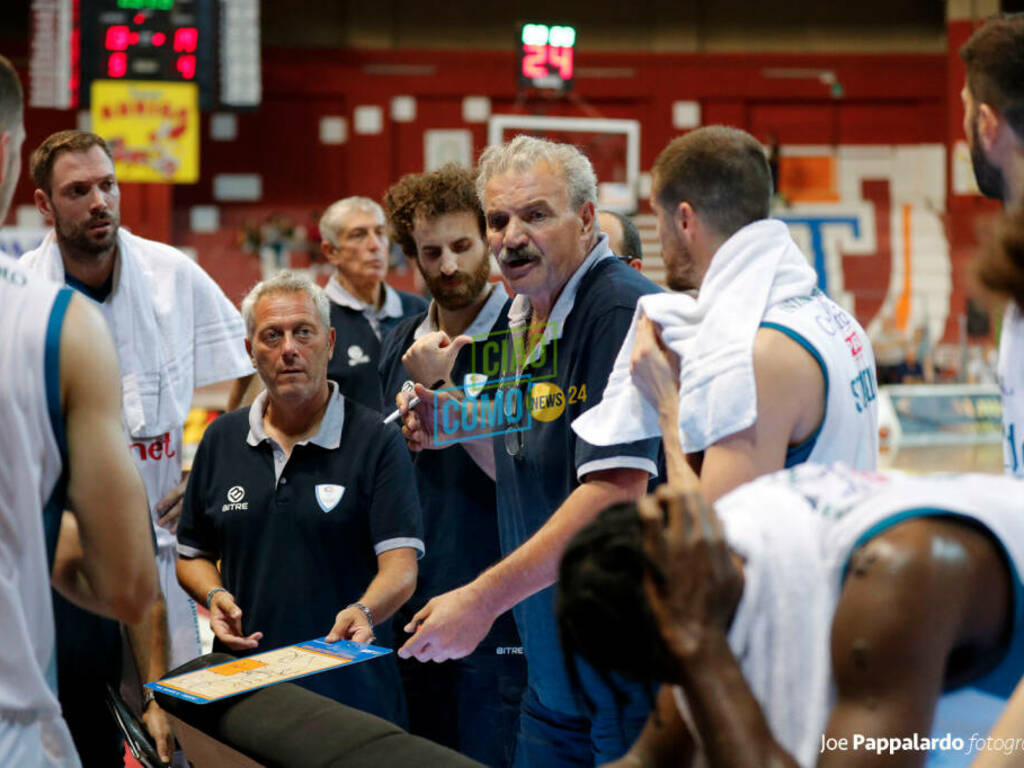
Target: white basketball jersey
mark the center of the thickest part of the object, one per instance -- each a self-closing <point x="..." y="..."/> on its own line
<point x="31" y="316"/>
<point x="1011" y="384"/>
<point x="849" y="431"/>
<point x="796" y="530"/>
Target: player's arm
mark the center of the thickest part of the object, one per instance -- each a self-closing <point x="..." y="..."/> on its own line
<point x="453" y="624"/>
<point x="665" y="741"/>
<point x="790" y="406"/>
<point x="391" y="587"/>
<point x="898" y="617"/>
<point x="151" y="649"/>
<point x="105" y="493"/>
<point x="693" y="601"/>
<point x="655" y="371"/>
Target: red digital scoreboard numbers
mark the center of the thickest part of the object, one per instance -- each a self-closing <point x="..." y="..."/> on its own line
<point x="546" y="58"/>
<point x="168" y="40"/>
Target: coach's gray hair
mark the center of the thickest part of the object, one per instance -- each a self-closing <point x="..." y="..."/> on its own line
<point x="524" y="152"/>
<point x="285" y="281"/>
<point x="333" y="220"/>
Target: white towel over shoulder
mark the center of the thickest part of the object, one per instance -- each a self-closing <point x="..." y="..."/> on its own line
<point x="173" y="328"/>
<point x="713" y="335"/>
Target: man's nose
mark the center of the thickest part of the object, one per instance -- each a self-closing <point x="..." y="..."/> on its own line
<point x="97" y="200"/>
<point x="515" y="234"/>
<point x="449" y="263"/>
<point x="289" y="346"/>
<point x="376" y="242"/>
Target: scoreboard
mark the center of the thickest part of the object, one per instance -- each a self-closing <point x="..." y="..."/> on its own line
<point x="212" y="43"/>
<point x="168" y="40"/>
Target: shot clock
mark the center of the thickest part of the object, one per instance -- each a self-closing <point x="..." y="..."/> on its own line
<point x="546" y="57"/>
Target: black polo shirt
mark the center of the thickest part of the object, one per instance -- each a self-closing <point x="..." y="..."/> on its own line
<point x="460" y="518"/>
<point x="295" y="550"/>
<point x="357" y="346"/>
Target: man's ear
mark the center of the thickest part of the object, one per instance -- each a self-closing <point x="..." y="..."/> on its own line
<point x="248" y="349"/>
<point x="988" y="125"/>
<point x="331" y="336"/>
<point x="588" y="216"/>
<point x="685" y="218"/>
<point x="44" y="206"/>
<point x="328" y="250"/>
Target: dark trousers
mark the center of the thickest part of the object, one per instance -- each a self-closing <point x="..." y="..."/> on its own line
<point x="88" y="657"/>
<point x="470" y="705"/>
<point x="552" y="739"/>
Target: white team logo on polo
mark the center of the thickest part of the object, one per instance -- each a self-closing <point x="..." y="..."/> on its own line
<point x="356" y="356"/>
<point x="235" y="495"/>
<point x="328" y="496"/>
<point x="473" y="383"/>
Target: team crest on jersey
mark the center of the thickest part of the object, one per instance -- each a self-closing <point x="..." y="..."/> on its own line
<point x="328" y="496"/>
<point x="356" y="355"/>
<point x="473" y="383"/>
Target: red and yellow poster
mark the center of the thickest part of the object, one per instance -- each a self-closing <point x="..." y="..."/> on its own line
<point x="152" y="129"/>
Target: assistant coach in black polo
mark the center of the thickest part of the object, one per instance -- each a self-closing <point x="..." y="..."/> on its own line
<point x="309" y="504"/>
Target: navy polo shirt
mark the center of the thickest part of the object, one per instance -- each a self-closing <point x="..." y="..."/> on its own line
<point x="358" y="342"/>
<point x="460" y="521"/>
<point x="568" y="374"/>
<point x="298" y="539"/>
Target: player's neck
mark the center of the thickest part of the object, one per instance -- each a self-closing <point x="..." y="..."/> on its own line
<point x="93" y="269"/>
<point x="455" y="321"/>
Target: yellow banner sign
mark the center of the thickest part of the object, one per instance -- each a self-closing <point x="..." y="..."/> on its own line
<point x="152" y="129"/>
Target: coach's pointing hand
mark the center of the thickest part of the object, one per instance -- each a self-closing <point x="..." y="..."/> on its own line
<point x="450" y="626"/>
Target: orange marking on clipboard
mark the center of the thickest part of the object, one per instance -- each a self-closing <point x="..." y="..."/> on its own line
<point x="235" y="667"/>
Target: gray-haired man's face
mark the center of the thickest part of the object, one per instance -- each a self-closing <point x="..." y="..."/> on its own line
<point x="536" y="235"/>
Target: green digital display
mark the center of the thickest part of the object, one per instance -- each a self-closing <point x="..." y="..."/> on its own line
<point x="146" y="5"/>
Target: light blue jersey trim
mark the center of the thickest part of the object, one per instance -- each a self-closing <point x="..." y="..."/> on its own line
<point x="1002" y="680"/>
<point x="798" y="454"/>
<point x="54" y="507"/>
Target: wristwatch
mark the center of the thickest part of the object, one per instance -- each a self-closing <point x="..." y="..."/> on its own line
<point x="147" y="697"/>
<point x="365" y="610"/>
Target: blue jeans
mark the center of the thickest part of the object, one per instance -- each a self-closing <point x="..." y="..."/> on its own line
<point x="552" y="739"/>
